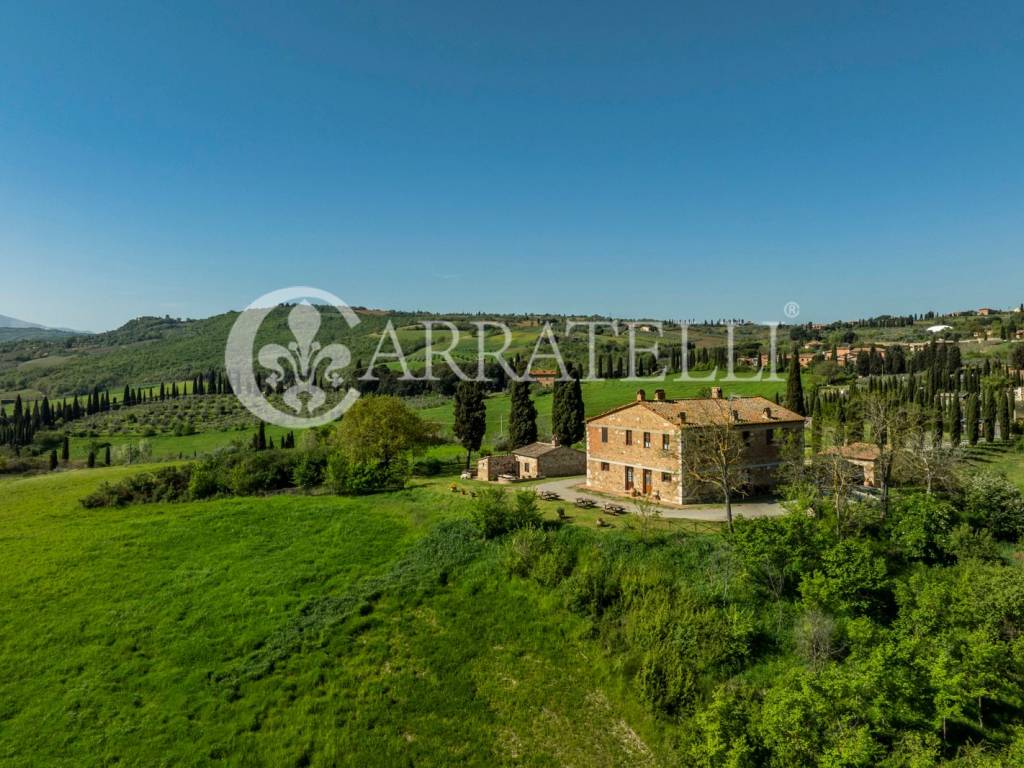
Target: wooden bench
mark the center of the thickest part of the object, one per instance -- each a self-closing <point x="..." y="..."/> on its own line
<point x="585" y="503"/>
<point x="614" y="509"/>
<point x="548" y="495"/>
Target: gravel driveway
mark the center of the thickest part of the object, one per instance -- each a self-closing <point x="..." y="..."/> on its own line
<point x="571" y="488"/>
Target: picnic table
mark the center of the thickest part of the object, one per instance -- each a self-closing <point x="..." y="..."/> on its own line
<point x="614" y="509"/>
<point x="548" y="495"/>
<point x="585" y="503"/>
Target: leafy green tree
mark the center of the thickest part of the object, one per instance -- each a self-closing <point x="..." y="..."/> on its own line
<point x="470" y="417"/>
<point x="920" y="525"/>
<point x="522" y="419"/>
<point x="378" y="429"/>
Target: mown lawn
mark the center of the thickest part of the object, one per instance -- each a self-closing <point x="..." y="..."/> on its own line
<point x="289" y="630"/>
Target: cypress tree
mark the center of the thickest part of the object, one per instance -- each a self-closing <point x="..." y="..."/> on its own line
<point x="65" y="449"/>
<point x="522" y="419"/>
<point x="988" y="414"/>
<point x="1004" y="416"/>
<point x="955" y="418"/>
<point x="567" y="426"/>
<point x="794" y="387"/>
<point x="576" y="412"/>
<point x="53" y="459"/>
<point x="971" y="418"/>
<point x="816" y="426"/>
<point x="90" y="460"/>
<point x="261" y="437"/>
<point x="470" y="417"/>
<point x="106" y="456"/>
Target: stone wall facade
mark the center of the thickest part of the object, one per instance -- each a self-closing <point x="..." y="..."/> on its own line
<point x="561" y="462"/>
<point x="489" y="467"/>
<point x="635" y="449"/>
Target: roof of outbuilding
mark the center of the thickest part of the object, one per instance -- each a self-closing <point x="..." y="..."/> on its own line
<point x="858" y="451"/>
<point x="708" y="410"/>
<point x="534" y="450"/>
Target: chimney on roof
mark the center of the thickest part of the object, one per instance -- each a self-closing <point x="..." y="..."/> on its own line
<point x="640" y="395"/>
<point x="767" y="413"/>
<point x="554" y="440"/>
<point x="716" y="393"/>
<point x="659" y="394"/>
<point x="735" y="415"/>
<point x="682" y="416"/>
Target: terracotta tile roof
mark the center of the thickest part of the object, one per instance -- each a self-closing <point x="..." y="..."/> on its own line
<point x="707" y="410"/>
<point x="535" y="450"/>
<point x="858" y="451"/>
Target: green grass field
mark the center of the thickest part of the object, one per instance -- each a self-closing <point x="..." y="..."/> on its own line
<point x="999" y="458"/>
<point x="281" y="631"/>
<point x="173" y="446"/>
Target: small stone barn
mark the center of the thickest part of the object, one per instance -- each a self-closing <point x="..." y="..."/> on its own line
<point x="533" y="461"/>
<point x="864" y="456"/>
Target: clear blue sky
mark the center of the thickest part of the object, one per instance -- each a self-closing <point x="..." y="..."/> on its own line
<point x="658" y="159"/>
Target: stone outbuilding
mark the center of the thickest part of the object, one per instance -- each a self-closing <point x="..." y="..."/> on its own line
<point x="865" y="457"/>
<point x="533" y="461"/>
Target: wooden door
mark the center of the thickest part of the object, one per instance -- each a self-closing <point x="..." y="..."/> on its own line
<point x="647" y="482"/>
<point x="629" y="478"/>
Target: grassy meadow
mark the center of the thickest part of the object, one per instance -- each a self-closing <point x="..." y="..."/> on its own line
<point x="289" y="630"/>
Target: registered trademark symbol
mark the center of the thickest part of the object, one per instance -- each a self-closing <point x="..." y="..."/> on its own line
<point x="792" y="309"/>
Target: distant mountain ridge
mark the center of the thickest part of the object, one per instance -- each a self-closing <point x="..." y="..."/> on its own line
<point x="6" y="321"/>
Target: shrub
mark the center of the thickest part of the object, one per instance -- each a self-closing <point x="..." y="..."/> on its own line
<point x="349" y="478"/>
<point x="428" y="467"/>
<point x="206" y="481"/>
<point x="260" y="472"/>
<point x="494" y="515"/>
<point x="167" y="484"/>
<point x="309" y="469"/>
<point x="524" y="550"/>
<point x="964" y="543"/>
<point x="919" y="525"/>
<point x="991" y="501"/>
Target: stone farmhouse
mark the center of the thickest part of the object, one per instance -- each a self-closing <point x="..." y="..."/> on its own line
<point x="544" y="377"/>
<point x="634" y="449"/>
<point x="531" y="462"/>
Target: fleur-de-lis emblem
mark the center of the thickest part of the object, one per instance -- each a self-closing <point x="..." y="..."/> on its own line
<point x="305" y="357"/>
